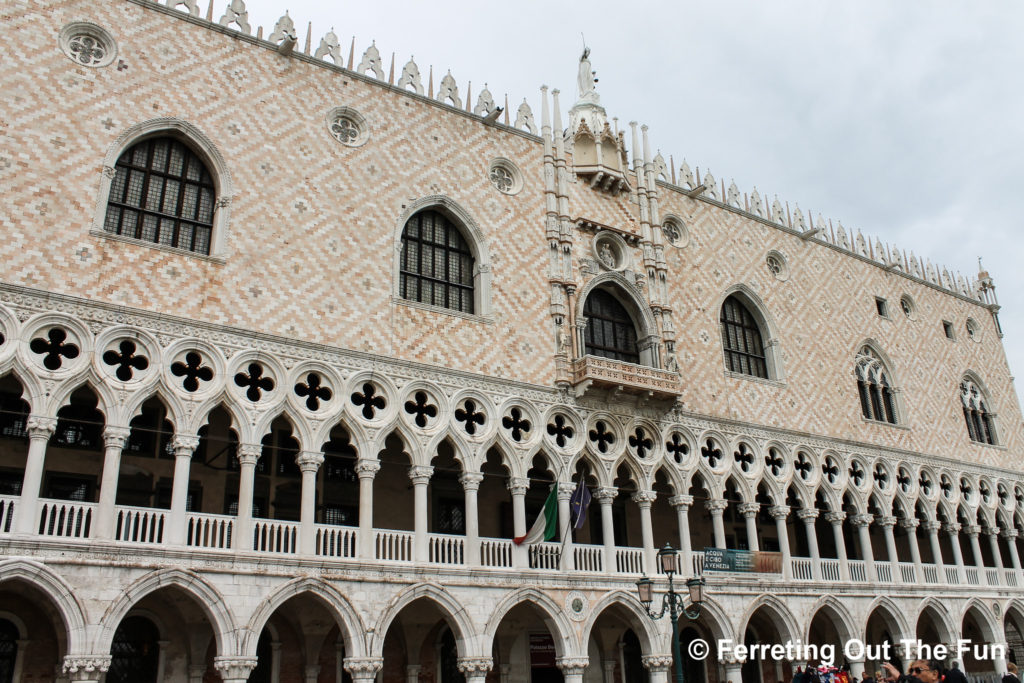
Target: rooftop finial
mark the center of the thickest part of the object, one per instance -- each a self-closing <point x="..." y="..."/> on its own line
<point x="586" y="78"/>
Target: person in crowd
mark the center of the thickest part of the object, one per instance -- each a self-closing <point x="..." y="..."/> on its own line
<point x="919" y="671"/>
<point x="954" y="674"/>
<point x="1011" y="675"/>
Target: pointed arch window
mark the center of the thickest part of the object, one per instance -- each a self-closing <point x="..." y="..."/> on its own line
<point x="874" y="387"/>
<point x="437" y="263"/>
<point x="976" y="413"/>
<point x="162" y="192"/>
<point x="610" y="331"/>
<point x="742" y="341"/>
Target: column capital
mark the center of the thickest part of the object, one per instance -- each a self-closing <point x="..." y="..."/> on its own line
<point x="932" y="525"/>
<point x="234" y="668"/>
<point x="951" y="528"/>
<point x="682" y="500"/>
<point x="362" y="668"/>
<point x="86" y="667"/>
<point x="910" y="523"/>
<point x="716" y="505"/>
<point x="309" y="461"/>
<point x="185" y="444"/>
<point x="972" y="530"/>
<point x="469" y="665"/>
<point x="807" y="513"/>
<point x="887" y="521"/>
<point x="991" y="531"/>
<point x="249" y="453"/>
<point x="518" y="486"/>
<point x="114" y="437"/>
<point x="644" y="498"/>
<point x="572" y="665"/>
<point x="605" y="493"/>
<point x="471" y="481"/>
<point x="835" y="518"/>
<point x="367" y="468"/>
<point x="420" y="474"/>
<point x="862" y="520"/>
<point x="750" y="509"/>
<point x="565" y="490"/>
<point x="40" y="426"/>
<point x="1010" y="533"/>
<point x="779" y="511"/>
<point x="656" y="663"/>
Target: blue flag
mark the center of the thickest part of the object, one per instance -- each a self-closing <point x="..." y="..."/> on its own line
<point x="578" y="505"/>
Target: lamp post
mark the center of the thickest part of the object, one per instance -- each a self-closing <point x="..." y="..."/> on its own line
<point x="668" y="560"/>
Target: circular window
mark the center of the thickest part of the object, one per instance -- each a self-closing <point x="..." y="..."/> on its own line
<point x="505" y="176"/>
<point x="972" y="330"/>
<point x="347" y="126"/>
<point x="908" y="308"/>
<point x="675" y="232"/>
<point x="777" y="265"/>
<point x="88" y="44"/>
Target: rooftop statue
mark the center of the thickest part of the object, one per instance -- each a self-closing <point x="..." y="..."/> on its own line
<point x="586" y="80"/>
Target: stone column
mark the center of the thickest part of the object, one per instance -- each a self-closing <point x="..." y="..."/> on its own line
<point x="364" y="668"/>
<point x="716" y="507"/>
<point x="572" y="668"/>
<point x="809" y="516"/>
<point x="26" y="510"/>
<point x="1011" y="541"/>
<point x="911" y="524"/>
<point x="177" y="524"/>
<point x="749" y="512"/>
<point x="517" y="487"/>
<point x="475" y="669"/>
<point x="161" y="662"/>
<point x="993" y="542"/>
<point x="682" y="505"/>
<point x="780" y="513"/>
<point x="733" y="671"/>
<point x="113" y="444"/>
<point x="470" y="485"/>
<point x="608" y="671"/>
<point x="857" y="669"/>
<point x="888" y="523"/>
<point x="862" y="522"/>
<point x="644" y="500"/>
<point x="973" y="531"/>
<point x="420" y="476"/>
<point x="196" y="673"/>
<point x="275" y="661"/>
<point x="836" y="519"/>
<point x="234" y="669"/>
<point x="309" y="462"/>
<point x="366" y="470"/>
<point x="412" y="673"/>
<point x="953" y="530"/>
<point x="999" y="660"/>
<point x="248" y="456"/>
<point x="312" y="672"/>
<point x="932" y="528"/>
<point x="86" y="668"/>
<point x="658" y="667"/>
<point x="605" y="495"/>
<point x="568" y="559"/>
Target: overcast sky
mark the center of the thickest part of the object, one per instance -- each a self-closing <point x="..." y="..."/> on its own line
<point x="904" y="120"/>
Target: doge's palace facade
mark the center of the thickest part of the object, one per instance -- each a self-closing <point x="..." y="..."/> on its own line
<point x="291" y="350"/>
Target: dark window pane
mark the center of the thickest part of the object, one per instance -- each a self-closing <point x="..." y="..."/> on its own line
<point x="436" y="263"/>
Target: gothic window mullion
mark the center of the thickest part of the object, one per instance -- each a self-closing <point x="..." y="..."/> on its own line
<point x="887" y="404"/>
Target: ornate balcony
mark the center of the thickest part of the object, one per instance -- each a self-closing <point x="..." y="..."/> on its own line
<point x="593" y="372"/>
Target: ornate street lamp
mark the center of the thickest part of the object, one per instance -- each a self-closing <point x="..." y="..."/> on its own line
<point x="668" y="560"/>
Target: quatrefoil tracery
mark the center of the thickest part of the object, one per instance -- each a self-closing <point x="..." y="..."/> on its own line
<point x="561" y="430"/>
<point x="677" y="447"/>
<point x="856" y="473"/>
<point x="803" y="466"/>
<point x="254" y="382"/>
<point x="773" y="460"/>
<point x="830" y="470"/>
<point x="517" y="425"/>
<point x="711" y="452"/>
<point x="947" y="486"/>
<point x="903" y="480"/>
<point x="369" y="399"/>
<point x="126" y="360"/>
<point x="639" y="441"/>
<point x="470" y="416"/>
<point x="601" y="436"/>
<point x="420" y="406"/>
<point x="192" y="370"/>
<point x="313" y="390"/>
<point x="925" y="483"/>
<point x="881" y="477"/>
<point x="744" y="457"/>
<point x="54" y="348"/>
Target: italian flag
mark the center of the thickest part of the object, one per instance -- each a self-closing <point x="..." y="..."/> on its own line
<point x="546" y="526"/>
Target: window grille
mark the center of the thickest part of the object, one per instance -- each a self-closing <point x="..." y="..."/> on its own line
<point x="610" y="330"/>
<point x="437" y="264"/>
<point x="741" y="340"/>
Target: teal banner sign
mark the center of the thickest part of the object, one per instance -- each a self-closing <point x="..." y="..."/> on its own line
<point x="746" y="561"/>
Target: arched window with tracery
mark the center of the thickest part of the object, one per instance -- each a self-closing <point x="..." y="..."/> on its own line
<point x="742" y="341"/>
<point x="976" y="412"/>
<point x="437" y="263"/>
<point x="162" y="192"/>
<point x="875" y="387"/>
<point x="610" y="331"/>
